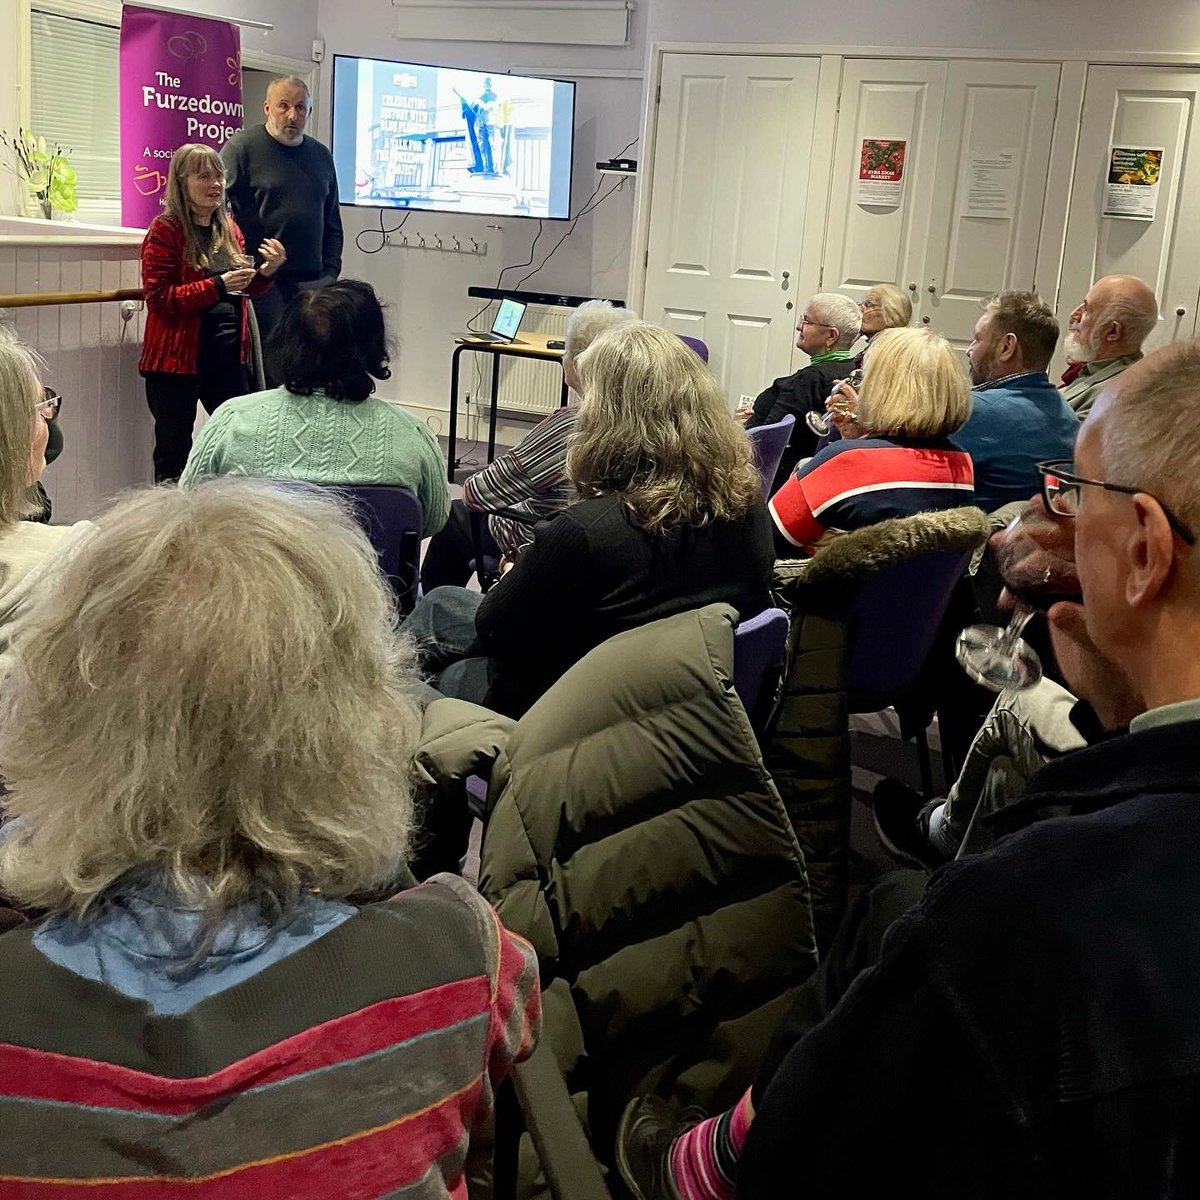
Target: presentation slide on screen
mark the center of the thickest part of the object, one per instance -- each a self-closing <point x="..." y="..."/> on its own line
<point x="446" y="140"/>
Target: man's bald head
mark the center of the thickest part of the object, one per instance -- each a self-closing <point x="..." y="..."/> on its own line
<point x="1116" y="317"/>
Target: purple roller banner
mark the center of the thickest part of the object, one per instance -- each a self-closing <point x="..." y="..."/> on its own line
<point x="181" y="81"/>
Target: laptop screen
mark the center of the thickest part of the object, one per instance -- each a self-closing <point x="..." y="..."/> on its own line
<point x="508" y="319"/>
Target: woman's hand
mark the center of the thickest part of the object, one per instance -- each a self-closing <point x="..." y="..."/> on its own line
<point x="238" y="279"/>
<point x="842" y="407"/>
<point x="273" y="255"/>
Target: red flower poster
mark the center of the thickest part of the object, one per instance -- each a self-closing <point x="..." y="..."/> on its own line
<point x="881" y="172"/>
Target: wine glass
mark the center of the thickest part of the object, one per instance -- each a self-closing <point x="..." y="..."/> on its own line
<point x="236" y="262"/>
<point x="819" y="423"/>
<point x="1000" y="658"/>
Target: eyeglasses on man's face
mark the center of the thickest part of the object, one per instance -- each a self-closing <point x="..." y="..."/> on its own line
<point x="49" y="404"/>
<point x="1061" y="489"/>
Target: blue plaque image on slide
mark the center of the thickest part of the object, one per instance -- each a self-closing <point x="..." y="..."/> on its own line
<point x="407" y="135"/>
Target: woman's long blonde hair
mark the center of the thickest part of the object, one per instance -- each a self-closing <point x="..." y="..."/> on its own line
<point x="20" y="391"/>
<point x="190" y="159"/>
<point x="914" y="385"/>
<point x="212" y="693"/>
<point x="654" y="426"/>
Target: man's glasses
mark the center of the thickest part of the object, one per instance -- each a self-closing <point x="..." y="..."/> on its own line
<point x="1061" y="487"/>
<point x="804" y="320"/>
<point x="49" y="404"/>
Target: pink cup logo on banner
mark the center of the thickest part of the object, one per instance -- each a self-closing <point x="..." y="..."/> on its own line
<point x="181" y="81"/>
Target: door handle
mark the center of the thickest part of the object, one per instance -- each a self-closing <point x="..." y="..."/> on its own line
<point x="924" y="320"/>
<point x="931" y="289"/>
<point x="790" y="306"/>
<point x="1181" y="311"/>
<point x="912" y="287"/>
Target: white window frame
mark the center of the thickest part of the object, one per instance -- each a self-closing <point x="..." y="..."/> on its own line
<point x="108" y="12"/>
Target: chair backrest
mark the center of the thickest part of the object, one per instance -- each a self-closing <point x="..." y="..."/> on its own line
<point x="391" y="517"/>
<point x="758" y="649"/>
<point x="894" y="618"/>
<point x="696" y="344"/>
<point x="770" y="441"/>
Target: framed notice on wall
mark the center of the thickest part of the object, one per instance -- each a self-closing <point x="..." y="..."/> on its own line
<point x="1131" y="187"/>
<point x="881" y="172"/>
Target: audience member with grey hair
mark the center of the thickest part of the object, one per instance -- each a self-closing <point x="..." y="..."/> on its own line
<point x="828" y="327"/>
<point x="531" y="478"/>
<point x="208" y="739"/>
<point x="27" y="548"/>
<point x="1107" y="333"/>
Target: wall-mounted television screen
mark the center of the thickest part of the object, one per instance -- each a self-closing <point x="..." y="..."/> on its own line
<point x="441" y="139"/>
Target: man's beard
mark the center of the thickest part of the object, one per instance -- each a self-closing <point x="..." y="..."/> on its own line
<point x="980" y="372"/>
<point x="1076" y="349"/>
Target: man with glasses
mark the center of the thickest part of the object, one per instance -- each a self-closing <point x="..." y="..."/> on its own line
<point x="1032" y="1027"/>
<point x="828" y="327"/>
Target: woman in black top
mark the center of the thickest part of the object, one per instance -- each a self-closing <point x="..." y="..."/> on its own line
<point x="670" y="517"/>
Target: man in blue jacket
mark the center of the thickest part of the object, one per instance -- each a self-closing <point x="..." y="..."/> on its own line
<point x="1018" y="417"/>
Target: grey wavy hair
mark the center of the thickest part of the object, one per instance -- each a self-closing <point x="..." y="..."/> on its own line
<point x="840" y="312"/>
<point x="213" y="692"/>
<point x="20" y="390"/>
<point x="588" y="322"/>
<point x="653" y="426"/>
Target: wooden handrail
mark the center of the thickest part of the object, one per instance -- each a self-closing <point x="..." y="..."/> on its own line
<point x="40" y="299"/>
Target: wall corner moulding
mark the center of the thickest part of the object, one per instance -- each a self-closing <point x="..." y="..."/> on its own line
<point x="534" y="22"/>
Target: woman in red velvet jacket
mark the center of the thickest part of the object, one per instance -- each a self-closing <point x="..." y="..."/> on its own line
<point x="196" y="276"/>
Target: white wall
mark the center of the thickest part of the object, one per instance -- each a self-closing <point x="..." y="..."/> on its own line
<point x="428" y="291"/>
<point x="1058" y="26"/>
<point x="295" y="23"/>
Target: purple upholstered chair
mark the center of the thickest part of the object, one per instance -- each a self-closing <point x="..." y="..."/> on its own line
<point x="695" y="344"/>
<point x="391" y="517"/>
<point x="893" y="622"/>
<point x="770" y="441"/>
<point x="758" y="649"/>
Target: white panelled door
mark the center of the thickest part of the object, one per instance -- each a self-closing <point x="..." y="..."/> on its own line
<point x="1143" y="107"/>
<point x="870" y="243"/>
<point x="733" y="164"/>
<point x="993" y="154"/>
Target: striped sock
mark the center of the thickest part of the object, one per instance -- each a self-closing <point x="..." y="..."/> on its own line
<point x="703" y="1161"/>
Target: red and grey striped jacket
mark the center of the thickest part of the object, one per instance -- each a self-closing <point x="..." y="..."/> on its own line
<point x="176" y="296"/>
<point x="356" y="1067"/>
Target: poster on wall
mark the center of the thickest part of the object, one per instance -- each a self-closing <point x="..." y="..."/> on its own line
<point x="181" y="81"/>
<point x="881" y="172"/>
<point x="1131" y="189"/>
<point x="989" y="185"/>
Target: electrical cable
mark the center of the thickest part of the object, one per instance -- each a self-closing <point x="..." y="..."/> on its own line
<point x="384" y="234"/>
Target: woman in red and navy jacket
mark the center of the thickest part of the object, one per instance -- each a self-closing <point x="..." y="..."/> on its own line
<point x="195" y="274"/>
<point x="895" y="458"/>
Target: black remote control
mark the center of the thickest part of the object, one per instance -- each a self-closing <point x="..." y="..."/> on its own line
<point x="555" y="344"/>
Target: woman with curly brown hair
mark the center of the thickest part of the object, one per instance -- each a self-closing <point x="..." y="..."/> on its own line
<point x="669" y="517"/>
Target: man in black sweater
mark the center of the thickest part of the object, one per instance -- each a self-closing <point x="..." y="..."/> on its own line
<point x="281" y="183"/>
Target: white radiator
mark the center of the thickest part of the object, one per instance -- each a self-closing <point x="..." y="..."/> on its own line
<point x="527" y="385"/>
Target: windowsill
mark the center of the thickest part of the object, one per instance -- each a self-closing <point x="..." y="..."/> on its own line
<point x="34" y="231"/>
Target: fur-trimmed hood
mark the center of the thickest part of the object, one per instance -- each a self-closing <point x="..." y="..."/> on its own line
<point x="843" y="563"/>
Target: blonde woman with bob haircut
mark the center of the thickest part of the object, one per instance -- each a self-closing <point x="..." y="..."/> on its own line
<point x="895" y="457"/>
<point x="208" y="741"/>
<point x="196" y="277"/>
<point x="669" y="517"/>
<point x="27" y="548"/>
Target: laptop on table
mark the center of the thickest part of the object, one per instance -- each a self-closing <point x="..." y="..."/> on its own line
<point x="504" y="328"/>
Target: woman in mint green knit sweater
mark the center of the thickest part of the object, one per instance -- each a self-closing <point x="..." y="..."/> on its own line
<point x="325" y="425"/>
